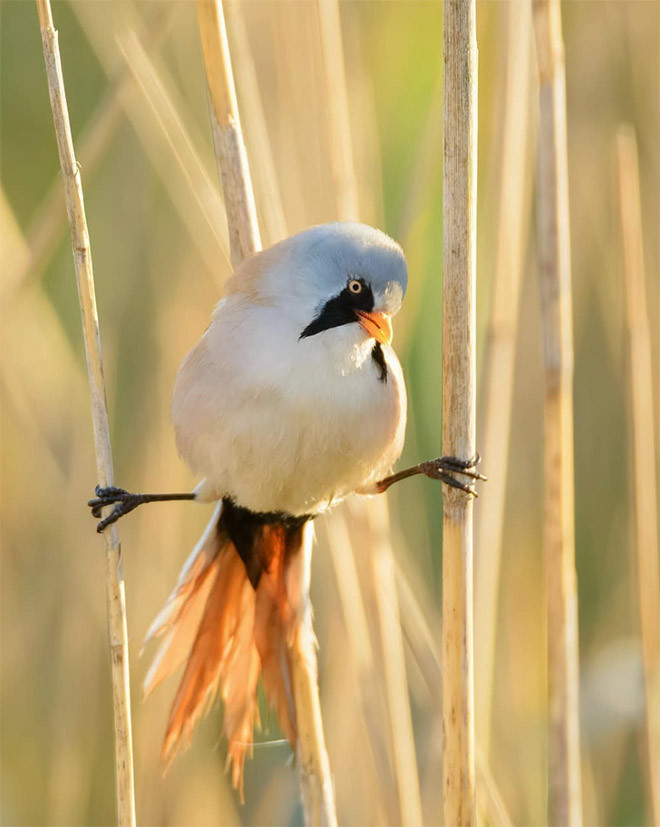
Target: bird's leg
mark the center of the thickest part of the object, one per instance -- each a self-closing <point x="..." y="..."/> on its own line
<point x="125" y="502"/>
<point x="442" y="468"/>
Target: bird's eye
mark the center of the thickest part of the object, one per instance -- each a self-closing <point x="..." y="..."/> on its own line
<point x="355" y="286"/>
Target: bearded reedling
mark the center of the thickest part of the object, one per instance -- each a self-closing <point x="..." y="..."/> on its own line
<point x="292" y="399"/>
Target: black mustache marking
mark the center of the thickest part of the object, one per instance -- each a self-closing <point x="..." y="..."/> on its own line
<point x="340" y="310"/>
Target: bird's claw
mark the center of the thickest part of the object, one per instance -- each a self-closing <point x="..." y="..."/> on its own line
<point x="444" y="468"/>
<point x="123" y="501"/>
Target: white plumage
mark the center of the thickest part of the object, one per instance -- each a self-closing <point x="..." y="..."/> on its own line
<point x="281" y="423"/>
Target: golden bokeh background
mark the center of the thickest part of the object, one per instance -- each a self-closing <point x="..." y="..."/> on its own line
<point x="137" y="97"/>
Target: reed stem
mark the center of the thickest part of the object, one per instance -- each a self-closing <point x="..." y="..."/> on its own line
<point x="381" y="555"/>
<point x="115" y="597"/>
<point x="341" y="145"/>
<point x="458" y="404"/>
<point x="164" y="126"/>
<point x="230" y="154"/>
<point x="231" y="158"/>
<point x="644" y="456"/>
<point x="383" y="576"/>
<point x="564" y="785"/>
<point x="513" y="222"/>
<point x="49" y="224"/>
<point x="261" y="152"/>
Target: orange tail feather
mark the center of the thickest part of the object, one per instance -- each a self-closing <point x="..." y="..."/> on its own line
<point x="230" y="627"/>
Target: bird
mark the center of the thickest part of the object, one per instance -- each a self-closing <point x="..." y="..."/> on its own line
<point x="292" y="400"/>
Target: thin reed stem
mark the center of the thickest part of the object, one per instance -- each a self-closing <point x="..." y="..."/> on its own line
<point x="231" y="158"/>
<point x="369" y="685"/>
<point x="193" y="191"/>
<point x="163" y="125"/>
<point x="458" y="404"/>
<point x="263" y="162"/>
<point x="383" y="571"/>
<point x="644" y="456"/>
<point x="422" y="645"/>
<point x="45" y="230"/>
<point x="115" y="597"/>
<point x="230" y="154"/>
<point x="564" y="785"/>
<point x="513" y="221"/>
<point x="381" y="555"/>
<point x="341" y="145"/>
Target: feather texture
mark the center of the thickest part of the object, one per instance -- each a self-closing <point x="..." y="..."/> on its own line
<point x="229" y="632"/>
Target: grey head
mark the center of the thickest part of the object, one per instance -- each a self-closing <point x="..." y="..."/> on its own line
<point x="331" y="275"/>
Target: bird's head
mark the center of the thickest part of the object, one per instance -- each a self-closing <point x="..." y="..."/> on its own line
<point x="341" y="279"/>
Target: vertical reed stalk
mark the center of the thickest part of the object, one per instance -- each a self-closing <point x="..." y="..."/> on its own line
<point x="513" y="220"/>
<point x="263" y="162"/>
<point x="93" y="143"/>
<point x="230" y="154"/>
<point x="115" y="597"/>
<point x="381" y="556"/>
<point x="341" y="146"/>
<point x="423" y="649"/>
<point x="162" y="123"/>
<point x="231" y="158"/>
<point x="458" y="403"/>
<point x="644" y="456"/>
<point x="369" y="682"/>
<point x="564" y="785"/>
<point x="383" y="571"/>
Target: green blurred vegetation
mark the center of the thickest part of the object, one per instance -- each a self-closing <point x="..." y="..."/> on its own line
<point x="155" y="291"/>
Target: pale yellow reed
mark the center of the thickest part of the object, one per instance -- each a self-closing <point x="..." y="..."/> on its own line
<point x="115" y="597"/>
<point x="644" y="454"/>
<point x="458" y="404"/>
<point x="564" y="785"/>
<point x="513" y="218"/>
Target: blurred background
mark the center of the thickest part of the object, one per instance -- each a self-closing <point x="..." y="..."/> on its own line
<point x="137" y="97"/>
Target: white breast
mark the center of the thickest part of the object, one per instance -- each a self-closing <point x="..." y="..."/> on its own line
<point x="282" y="424"/>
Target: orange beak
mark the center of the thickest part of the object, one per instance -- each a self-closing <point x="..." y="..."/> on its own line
<point x="378" y="325"/>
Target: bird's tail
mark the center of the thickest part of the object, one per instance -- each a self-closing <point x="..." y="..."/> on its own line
<point x="235" y="612"/>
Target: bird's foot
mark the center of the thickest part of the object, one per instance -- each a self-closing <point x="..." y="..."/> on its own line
<point x="444" y="469"/>
<point x="123" y="500"/>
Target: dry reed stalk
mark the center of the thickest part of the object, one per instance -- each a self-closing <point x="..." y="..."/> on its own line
<point x="564" y="785"/>
<point x="49" y="223"/>
<point x="85" y="277"/>
<point x="383" y="577"/>
<point x="491" y="803"/>
<point x="230" y="154"/>
<point x="382" y="564"/>
<point x="458" y="403"/>
<point x="425" y="165"/>
<point x="423" y="648"/>
<point x="315" y="779"/>
<point x="369" y="686"/>
<point x="263" y="163"/>
<point x="163" y="126"/>
<point x="513" y="220"/>
<point x="644" y="456"/>
<point x="341" y="145"/>
<point x="417" y="201"/>
<point x="193" y="191"/>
